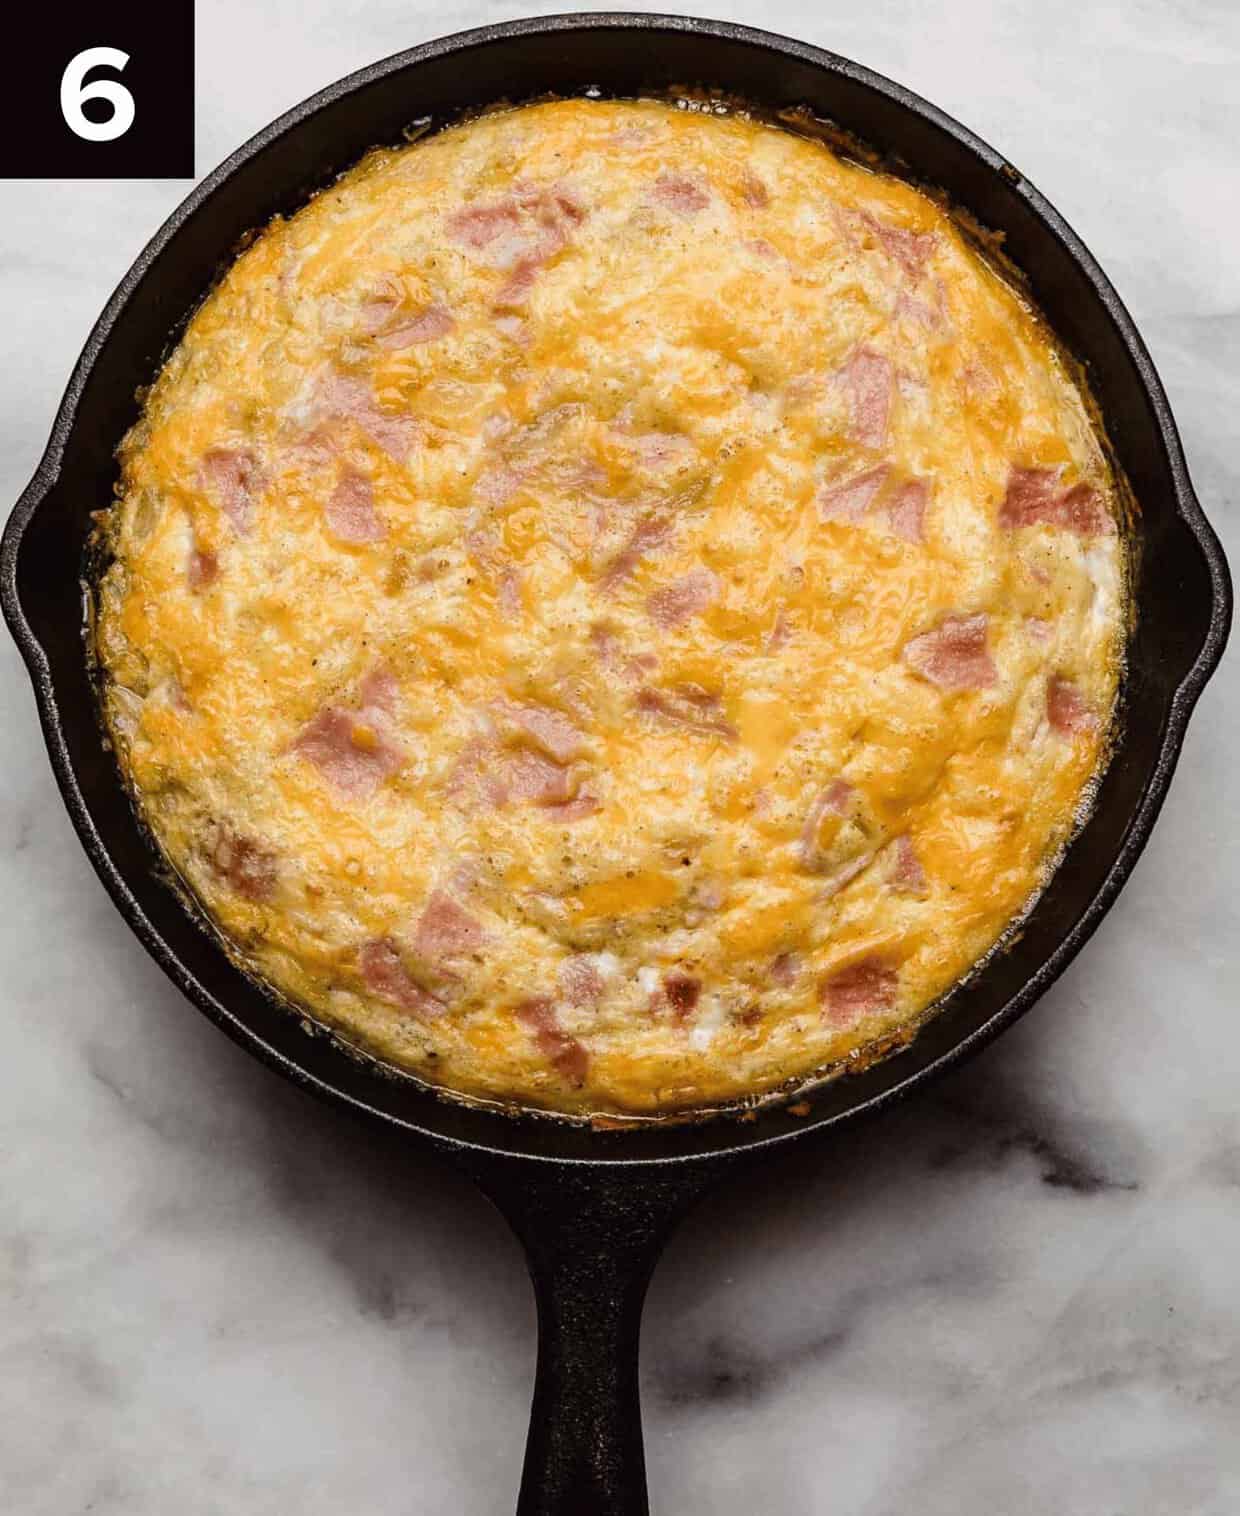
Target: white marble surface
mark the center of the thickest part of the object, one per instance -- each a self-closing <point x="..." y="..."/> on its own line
<point x="1018" y="1296"/>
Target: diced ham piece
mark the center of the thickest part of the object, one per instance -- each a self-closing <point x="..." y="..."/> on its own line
<point x="581" y="984"/>
<point x="845" y="874"/>
<point x="353" y="747"/>
<point x="319" y="445"/>
<point x="529" y="776"/>
<point x="379" y="690"/>
<point x="647" y="535"/>
<point x="428" y="325"/>
<point x="352" y="755"/>
<point x="1034" y="497"/>
<point x="682" y="992"/>
<point x="497" y="484"/>
<point x="1030" y="496"/>
<point x="377" y="309"/>
<point x="446" y="929"/>
<point x="659" y="451"/>
<point x="519" y="234"/>
<point x="868" y="380"/>
<point x="838" y="797"/>
<point x="396" y="435"/>
<point x="516" y="289"/>
<point x="386" y="976"/>
<point x="564" y="1053"/>
<point x="554" y="206"/>
<point x="350" y="510"/>
<point x="911" y="250"/>
<point x="612" y="656"/>
<point x="1082" y="511"/>
<point x="232" y="478"/>
<point x="862" y="989"/>
<point x="201" y="568"/>
<point x="785" y="969"/>
<point x="905" y="874"/>
<point x="573" y="810"/>
<point x="510" y="601"/>
<point x="954" y="655"/>
<point x="920" y="312"/>
<point x="850" y="499"/>
<point x="243" y="864"/>
<point x="475" y="778"/>
<point x="1066" y="709"/>
<point x="835" y="800"/>
<point x="558" y="202"/>
<point x="493" y="776"/>
<point x="901" y="506"/>
<point x="344" y="397"/>
<point x="905" y="509"/>
<point x="781" y="630"/>
<point x="580" y="475"/>
<point x="979" y="382"/>
<point x="689" y="706"/>
<point x="486" y="548"/>
<point x="477" y="226"/>
<point x="683" y="599"/>
<point x="534" y="770"/>
<point x="546" y="729"/>
<point x="753" y="192"/>
<point x="680" y="194"/>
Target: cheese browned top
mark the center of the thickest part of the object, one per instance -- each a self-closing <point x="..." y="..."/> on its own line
<point x="613" y="607"/>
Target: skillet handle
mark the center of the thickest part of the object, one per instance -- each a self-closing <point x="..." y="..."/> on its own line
<point x="591" y="1240"/>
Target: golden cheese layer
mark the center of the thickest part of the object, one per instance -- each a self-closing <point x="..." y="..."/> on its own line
<point x="613" y="607"/>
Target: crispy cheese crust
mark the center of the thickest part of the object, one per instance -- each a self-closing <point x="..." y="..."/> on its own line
<point x="613" y="607"/>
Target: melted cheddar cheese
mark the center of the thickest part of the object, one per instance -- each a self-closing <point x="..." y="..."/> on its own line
<point x="613" y="607"/>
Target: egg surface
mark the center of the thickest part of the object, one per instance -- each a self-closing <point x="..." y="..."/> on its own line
<point x="612" y="607"/>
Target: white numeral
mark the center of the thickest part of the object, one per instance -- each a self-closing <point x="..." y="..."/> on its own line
<point x="74" y="95"/>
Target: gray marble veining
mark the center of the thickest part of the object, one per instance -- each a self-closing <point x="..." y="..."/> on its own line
<point x="1016" y="1296"/>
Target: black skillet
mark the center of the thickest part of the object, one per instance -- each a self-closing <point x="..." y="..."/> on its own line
<point x="593" y="1208"/>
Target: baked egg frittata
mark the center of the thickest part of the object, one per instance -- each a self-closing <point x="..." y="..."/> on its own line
<point x="613" y="607"/>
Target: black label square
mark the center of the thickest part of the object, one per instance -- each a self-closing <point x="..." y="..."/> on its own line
<point x="100" y="91"/>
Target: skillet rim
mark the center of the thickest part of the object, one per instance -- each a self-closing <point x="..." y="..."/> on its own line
<point x="711" y="1142"/>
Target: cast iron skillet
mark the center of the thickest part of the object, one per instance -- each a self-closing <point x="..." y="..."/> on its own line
<point x="593" y="1208"/>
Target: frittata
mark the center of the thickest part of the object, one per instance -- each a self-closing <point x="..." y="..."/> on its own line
<point x="613" y="607"/>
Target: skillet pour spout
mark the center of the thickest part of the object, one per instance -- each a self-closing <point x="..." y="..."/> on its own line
<point x="593" y="1207"/>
